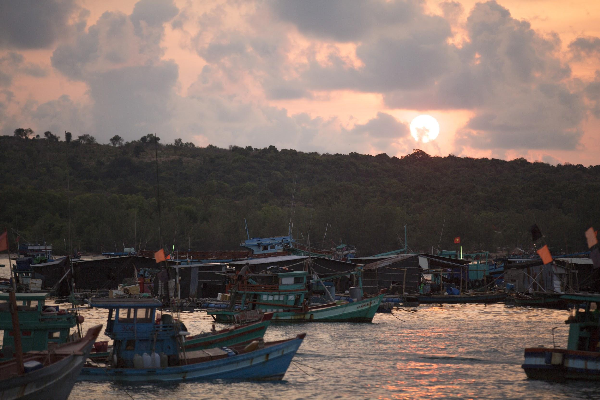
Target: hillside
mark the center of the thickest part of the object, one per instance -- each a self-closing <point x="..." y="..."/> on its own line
<point x="206" y="193"/>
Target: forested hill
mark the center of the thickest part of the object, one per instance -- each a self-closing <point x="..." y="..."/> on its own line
<point x="206" y="193"/>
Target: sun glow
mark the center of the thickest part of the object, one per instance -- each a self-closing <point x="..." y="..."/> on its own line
<point x="424" y="128"/>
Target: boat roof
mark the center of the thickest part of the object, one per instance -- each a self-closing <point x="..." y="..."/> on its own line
<point x="267" y="260"/>
<point x="125" y="303"/>
<point x="25" y="296"/>
<point x="586" y="297"/>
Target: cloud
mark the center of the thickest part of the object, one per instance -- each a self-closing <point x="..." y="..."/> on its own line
<point x="12" y="64"/>
<point x="32" y="24"/>
<point x="340" y="20"/>
<point x="133" y="101"/>
<point x="381" y="132"/>
<point x="585" y="47"/>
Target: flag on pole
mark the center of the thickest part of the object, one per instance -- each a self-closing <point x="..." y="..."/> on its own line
<point x="4" y="241"/>
<point x="592" y="237"/>
<point x="159" y="256"/>
<point x="544" y="253"/>
<point x="457" y="240"/>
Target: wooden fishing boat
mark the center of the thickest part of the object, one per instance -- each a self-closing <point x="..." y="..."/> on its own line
<point x="581" y="359"/>
<point x="48" y="374"/>
<point x="286" y="295"/>
<point x="41" y="326"/>
<point x="146" y="351"/>
<point x="238" y="334"/>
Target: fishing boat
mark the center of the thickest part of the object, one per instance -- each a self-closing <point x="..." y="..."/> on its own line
<point x="147" y="351"/>
<point x="238" y="334"/>
<point x="48" y="374"/>
<point x="287" y="296"/>
<point x="42" y="326"/>
<point x="581" y="359"/>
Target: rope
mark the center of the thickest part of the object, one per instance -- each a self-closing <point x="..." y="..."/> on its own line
<point x="306" y="365"/>
<point x="397" y="317"/>
<point x="295" y="364"/>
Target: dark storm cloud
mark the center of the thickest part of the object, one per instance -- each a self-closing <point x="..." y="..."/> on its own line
<point x="33" y="24"/>
<point x="133" y="101"/>
<point x="341" y="20"/>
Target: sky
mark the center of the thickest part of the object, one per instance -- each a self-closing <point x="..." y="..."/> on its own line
<point x="504" y="79"/>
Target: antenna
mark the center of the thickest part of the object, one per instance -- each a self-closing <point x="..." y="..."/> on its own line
<point x="247" y="232"/>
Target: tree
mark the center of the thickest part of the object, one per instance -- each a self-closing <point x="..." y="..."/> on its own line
<point x="23" y="133"/>
<point x="68" y="136"/>
<point x="51" y="137"/>
<point x="86" y="139"/>
<point x="116" y="141"/>
<point x="150" y="138"/>
<point x="178" y="143"/>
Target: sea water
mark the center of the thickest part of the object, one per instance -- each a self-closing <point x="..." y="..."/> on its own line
<point x="428" y="352"/>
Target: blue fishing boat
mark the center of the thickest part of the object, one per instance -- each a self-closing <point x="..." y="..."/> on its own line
<point x="581" y="359"/>
<point x="147" y="351"/>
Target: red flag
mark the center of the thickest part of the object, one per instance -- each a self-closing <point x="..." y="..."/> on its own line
<point x="4" y="241"/>
<point x="544" y="253"/>
<point x="457" y="240"/>
<point x="592" y="237"/>
<point x="159" y="256"/>
<point x="169" y="257"/>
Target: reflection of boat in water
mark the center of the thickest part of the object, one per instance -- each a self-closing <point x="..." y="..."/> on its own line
<point x="539" y="299"/>
<point x="48" y="374"/>
<point x="286" y="295"/>
<point x="495" y="297"/>
<point x="144" y="351"/>
<point x="581" y="358"/>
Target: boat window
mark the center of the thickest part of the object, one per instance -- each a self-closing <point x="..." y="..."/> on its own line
<point x="291" y="297"/>
<point x="265" y="297"/>
<point x="126" y="315"/>
<point x="54" y="335"/>
<point x="298" y="279"/>
<point x="144" y="315"/>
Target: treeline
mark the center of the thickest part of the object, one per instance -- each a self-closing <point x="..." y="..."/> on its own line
<point x="109" y="194"/>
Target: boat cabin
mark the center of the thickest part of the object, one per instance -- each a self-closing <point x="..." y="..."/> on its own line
<point x="137" y="331"/>
<point x="584" y="323"/>
<point x="282" y="291"/>
<point x="42" y="326"/>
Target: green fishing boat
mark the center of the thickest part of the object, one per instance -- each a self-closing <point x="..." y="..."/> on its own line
<point x="42" y="326"/>
<point x="286" y="295"/>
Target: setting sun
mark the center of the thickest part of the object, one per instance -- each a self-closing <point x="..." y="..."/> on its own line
<point x="424" y="128"/>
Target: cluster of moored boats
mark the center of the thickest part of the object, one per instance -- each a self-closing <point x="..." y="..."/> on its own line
<point x="151" y="344"/>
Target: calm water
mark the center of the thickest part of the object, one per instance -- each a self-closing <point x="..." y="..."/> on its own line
<point x="430" y="352"/>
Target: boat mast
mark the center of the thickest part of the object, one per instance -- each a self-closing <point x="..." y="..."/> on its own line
<point x="16" y="331"/>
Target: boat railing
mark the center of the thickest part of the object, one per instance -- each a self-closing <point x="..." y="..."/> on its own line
<point x="257" y="288"/>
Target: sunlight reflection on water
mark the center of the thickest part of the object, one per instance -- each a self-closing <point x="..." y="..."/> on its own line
<point x="455" y="351"/>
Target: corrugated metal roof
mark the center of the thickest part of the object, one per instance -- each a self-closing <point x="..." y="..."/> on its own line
<point x="268" y="260"/>
<point x="389" y="261"/>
